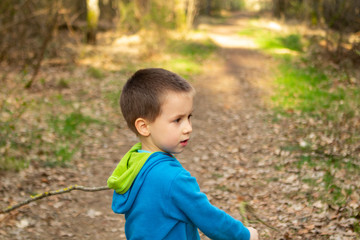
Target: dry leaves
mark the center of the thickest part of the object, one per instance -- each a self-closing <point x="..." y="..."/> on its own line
<point x="281" y="170"/>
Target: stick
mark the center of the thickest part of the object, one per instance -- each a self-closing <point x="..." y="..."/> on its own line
<point x="251" y="210"/>
<point x="244" y="208"/>
<point x="51" y="193"/>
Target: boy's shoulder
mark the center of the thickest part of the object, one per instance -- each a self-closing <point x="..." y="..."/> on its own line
<point x="163" y="166"/>
<point x="164" y="161"/>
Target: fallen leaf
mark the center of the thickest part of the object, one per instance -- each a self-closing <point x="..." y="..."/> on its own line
<point x="93" y="213"/>
<point x="23" y="223"/>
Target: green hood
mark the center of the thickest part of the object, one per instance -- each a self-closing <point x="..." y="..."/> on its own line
<point x="127" y="169"/>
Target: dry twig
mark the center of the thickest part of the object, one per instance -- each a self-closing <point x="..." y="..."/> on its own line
<point x="41" y="54"/>
<point x="245" y="209"/>
<point x="51" y="193"/>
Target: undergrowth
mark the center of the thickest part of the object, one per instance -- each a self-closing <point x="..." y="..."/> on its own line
<point x="68" y="130"/>
<point x="28" y="132"/>
<point x="12" y="138"/>
<point x="323" y="111"/>
<point x="52" y="129"/>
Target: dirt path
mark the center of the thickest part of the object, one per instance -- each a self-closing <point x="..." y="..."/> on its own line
<point x="232" y="153"/>
<point x="234" y="142"/>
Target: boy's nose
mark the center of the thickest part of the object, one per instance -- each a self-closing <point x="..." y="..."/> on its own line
<point x="188" y="128"/>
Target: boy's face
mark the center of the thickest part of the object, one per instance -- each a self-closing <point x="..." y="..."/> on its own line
<point x="170" y="132"/>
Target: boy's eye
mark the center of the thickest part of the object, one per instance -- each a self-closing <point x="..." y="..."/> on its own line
<point x="177" y="120"/>
<point x="189" y="116"/>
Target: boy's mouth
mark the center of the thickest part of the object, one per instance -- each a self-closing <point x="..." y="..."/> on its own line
<point x="184" y="142"/>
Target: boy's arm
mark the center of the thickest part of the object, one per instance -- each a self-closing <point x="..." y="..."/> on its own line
<point x="213" y="222"/>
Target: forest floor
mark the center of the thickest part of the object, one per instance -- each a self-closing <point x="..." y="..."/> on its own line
<point x="235" y="154"/>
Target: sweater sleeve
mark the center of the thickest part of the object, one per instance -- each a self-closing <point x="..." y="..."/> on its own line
<point x="193" y="205"/>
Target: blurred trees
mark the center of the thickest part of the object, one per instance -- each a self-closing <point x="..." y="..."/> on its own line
<point x="26" y="24"/>
<point x="334" y="13"/>
<point x="34" y="30"/>
<point x="340" y="18"/>
<point x="214" y="7"/>
<point x="28" y="28"/>
<point x="344" y="18"/>
<point x="24" y="29"/>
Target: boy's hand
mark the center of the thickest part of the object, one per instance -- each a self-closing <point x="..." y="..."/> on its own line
<point x="253" y="233"/>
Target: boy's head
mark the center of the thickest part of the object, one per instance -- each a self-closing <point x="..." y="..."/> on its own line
<point x="144" y="93"/>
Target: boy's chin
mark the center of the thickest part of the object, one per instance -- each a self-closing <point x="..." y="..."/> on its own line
<point x="174" y="151"/>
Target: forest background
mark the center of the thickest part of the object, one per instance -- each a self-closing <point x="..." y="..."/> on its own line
<point x="61" y="61"/>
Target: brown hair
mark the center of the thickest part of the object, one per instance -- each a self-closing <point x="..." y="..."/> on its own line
<point x="143" y="92"/>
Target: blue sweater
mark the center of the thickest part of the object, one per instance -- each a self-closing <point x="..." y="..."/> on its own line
<point x="165" y="202"/>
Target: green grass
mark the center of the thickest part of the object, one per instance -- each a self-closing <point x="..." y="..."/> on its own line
<point x="300" y="86"/>
<point x="113" y="97"/>
<point x="12" y="140"/>
<point x="305" y="160"/>
<point x="70" y="126"/>
<point x="356" y="226"/>
<point x="304" y="88"/>
<point x="96" y="73"/>
<point x="335" y="193"/>
<point x="251" y="32"/>
<point x="69" y="130"/>
<point x="199" y="50"/>
<point x="187" y="56"/>
<point x="112" y="94"/>
<point x="334" y="190"/>
<point x="13" y="163"/>
<point x="270" y="40"/>
<point x="309" y="90"/>
<point x="292" y="42"/>
<point x="63" y="154"/>
<point x="54" y="143"/>
<point x="183" y="66"/>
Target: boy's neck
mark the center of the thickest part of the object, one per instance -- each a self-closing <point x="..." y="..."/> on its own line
<point x="147" y="146"/>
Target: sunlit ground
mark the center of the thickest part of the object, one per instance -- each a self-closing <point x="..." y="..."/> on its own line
<point x="112" y="53"/>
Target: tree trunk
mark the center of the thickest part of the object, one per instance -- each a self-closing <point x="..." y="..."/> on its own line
<point x="315" y="12"/>
<point x="190" y="13"/>
<point x="93" y="12"/>
<point x="279" y="8"/>
<point x="180" y="14"/>
<point x="208" y="7"/>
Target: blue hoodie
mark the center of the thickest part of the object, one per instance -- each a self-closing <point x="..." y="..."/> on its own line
<point x="165" y="202"/>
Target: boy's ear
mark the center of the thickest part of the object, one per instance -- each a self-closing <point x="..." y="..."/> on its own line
<point x="141" y="126"/>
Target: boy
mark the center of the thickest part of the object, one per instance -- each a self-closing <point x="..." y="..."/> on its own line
<point x="159" y="198"/>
